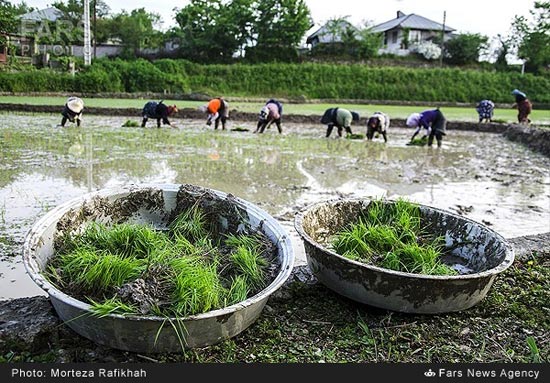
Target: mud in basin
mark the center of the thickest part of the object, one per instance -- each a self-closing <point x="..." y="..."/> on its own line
<point x="476" y="254"/>
<point x="150" y="313"/>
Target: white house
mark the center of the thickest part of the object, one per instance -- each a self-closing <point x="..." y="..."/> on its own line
<point x="329" y="33"/>
<point x="405" y="30"/>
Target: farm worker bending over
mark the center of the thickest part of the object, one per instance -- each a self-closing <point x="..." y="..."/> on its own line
<point x="269" y="114"/>
<point x="433" y="121"/>
<point x="339" y="117"/>
<point x="378" y="123"/>
<point x="523" y="105"/>
<point x="158" y="111"/>
<point x="217" y="110"/>
<point x="485" y="110"/>
<point x="72" y="111"/>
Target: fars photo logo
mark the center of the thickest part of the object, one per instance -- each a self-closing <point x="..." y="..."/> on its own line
<point x="429" y="373"/>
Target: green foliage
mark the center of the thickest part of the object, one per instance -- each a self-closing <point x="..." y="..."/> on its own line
<point x="246" y="257"/>
<point x="94" y="271"/>
<point x="212" y="31"/>
<point x="312" y="80"/>
<point x="190" y="224"/>
<point x="464" y="48"/>
<point x="390" y="235"/>
<point x="111" y="306"/>
<point x="534" y="38"/>
<point x="103" y="263"/>
<point x="277" y="29"/>
<point x="9" y="13"/>
<point x="136" y="30"/>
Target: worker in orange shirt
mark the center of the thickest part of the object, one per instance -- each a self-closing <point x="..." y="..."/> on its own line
<point x="217" y="110"/>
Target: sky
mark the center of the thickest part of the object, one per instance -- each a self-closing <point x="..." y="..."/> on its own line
<point x="486" y="17"/>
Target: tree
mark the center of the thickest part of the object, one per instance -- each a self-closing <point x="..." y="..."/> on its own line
<point x="278" y="29"/>
<point x="369" y="42"/>
<point x="501" y="62"/>
<point x="340" y="39"/>
<point x="533" y="39"/>
<point x="136" y="30"/>
<point x="8" y="15"/>
<point x="214" y="30"/>
<point x="464" y="48"/>
<point x="9" y="21"/>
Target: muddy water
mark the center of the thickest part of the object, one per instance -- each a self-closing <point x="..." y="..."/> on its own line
<point x="479" y="175"/>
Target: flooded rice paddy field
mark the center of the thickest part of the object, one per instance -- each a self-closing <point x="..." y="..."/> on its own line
<point x="482" y="176"/>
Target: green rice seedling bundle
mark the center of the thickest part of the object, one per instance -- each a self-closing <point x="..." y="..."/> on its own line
<point x="183" y="270"/>
<point x="423" y="141"/>
<point x="391" y="235"/>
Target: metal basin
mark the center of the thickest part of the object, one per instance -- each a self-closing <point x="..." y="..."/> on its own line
<point x="153" y="204"/>
<point x="475" y="247"/>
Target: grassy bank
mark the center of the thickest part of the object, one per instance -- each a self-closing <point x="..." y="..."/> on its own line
<point x="307" y="323"/>
<point x="310" y="80"/>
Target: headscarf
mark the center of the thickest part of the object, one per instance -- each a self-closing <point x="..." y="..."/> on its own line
<point x="517" y="92"/>
<point x="413" y="120"/>
<point x="172" y="109"/>
<point x="264" y="113"/>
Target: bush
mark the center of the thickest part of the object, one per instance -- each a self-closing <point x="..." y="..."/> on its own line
<point x="312" y="80"/>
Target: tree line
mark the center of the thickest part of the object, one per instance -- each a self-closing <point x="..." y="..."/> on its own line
<point x="255" y="31"/>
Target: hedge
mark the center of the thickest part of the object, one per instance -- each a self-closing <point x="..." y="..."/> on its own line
<point x="310" y="80"/>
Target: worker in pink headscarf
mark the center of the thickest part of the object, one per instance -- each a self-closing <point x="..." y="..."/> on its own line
<point x="270" y="113"/>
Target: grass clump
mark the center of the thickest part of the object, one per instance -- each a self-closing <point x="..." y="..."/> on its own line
<point x="390" y="235"/>
<point x="184" y="270"/>
<point x="423" y="141"/>
<point x="130" y="124"/>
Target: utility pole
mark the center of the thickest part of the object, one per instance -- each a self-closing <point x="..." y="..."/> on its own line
<point x="94" y="38"/>
<point x="442" y="38"/>
<point x="87" y="41"/>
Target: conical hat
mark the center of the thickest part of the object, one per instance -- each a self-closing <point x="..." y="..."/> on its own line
<point x="75" y="104"/>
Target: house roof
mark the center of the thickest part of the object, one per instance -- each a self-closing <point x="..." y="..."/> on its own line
<point x="50" y="14"/>
<point x="411" y="21"/>
<point x="324" y="35"/>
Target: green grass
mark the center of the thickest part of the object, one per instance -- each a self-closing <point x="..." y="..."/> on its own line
<point x="112" y="306"/>
<point x="309" y="323"/>
<point x="130" y="124"/>
<point x="390" y="236"/>
<point x="247" y="258"/>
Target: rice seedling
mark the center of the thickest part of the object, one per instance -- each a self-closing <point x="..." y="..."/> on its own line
<point x="355" y="136"/>
<point x="96" y="271"/>
<point x="191" y="224"/>
<point x="534" y="350"/>
<point x="246" y="257"/>
<point x="130" y="124"/>
<point x="183" y="271"/>
<point x="238" y="291"/>
<point x="390" y="235"/>
<point x="197" y="287"/>
<point x="111" y="306"/>
<point x="127" y="240"/>
<point x="351" y="243"/>
<point x="423" y="141"/>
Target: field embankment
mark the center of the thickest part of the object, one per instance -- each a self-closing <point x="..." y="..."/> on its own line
<point x="293" y="81"/>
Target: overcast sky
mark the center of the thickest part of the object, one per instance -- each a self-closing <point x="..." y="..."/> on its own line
<point x="486" y="17"/>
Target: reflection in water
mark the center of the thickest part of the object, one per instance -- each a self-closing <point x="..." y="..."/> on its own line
<point x="502" y="184"/>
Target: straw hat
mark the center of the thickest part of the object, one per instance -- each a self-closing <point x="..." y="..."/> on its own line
<point x="75" y="104"/>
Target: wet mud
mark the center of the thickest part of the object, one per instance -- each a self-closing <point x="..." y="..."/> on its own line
<point x="480" y="175"/>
